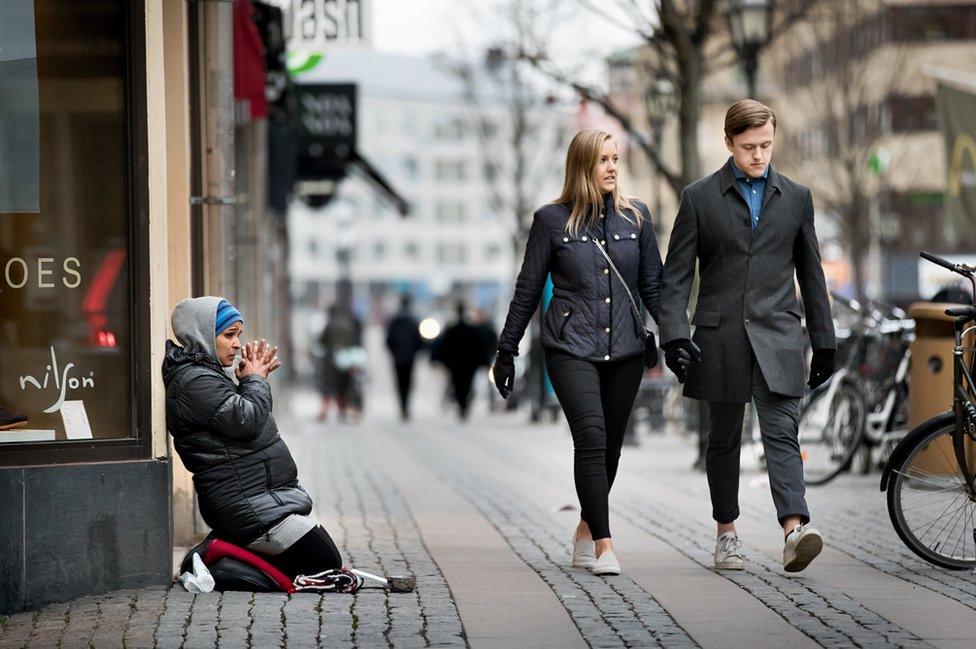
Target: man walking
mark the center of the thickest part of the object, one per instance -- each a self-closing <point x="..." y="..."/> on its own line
<point x="751" y="230"/>
<point x="404" y="341"/>
<point x="461" y="349"/>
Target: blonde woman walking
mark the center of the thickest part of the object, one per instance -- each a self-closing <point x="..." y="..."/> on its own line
<point x="602" y="253"/>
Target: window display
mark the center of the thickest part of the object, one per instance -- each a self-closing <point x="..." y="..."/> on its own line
<point x="65" y="311"/>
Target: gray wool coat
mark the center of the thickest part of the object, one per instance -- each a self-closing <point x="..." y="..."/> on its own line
<point x="747" y="297"/>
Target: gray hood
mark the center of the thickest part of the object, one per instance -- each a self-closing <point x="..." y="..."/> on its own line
<point x="194" y="321"/>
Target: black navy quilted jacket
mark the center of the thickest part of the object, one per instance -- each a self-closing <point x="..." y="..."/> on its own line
<point x="590" y="316"/>
<point x="244" y="475"/>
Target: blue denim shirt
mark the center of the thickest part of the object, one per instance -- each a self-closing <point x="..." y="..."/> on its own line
<point x="751" y="189"/>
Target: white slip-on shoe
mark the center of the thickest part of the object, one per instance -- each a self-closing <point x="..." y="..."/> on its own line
<point x="584" y="553"/>
<point x="728" y="552"/>
<point x="606" y="564"/>
<point x="803" y="545"/>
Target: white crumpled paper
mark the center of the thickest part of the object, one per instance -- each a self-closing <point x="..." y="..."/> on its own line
<point x="200" y="580"/>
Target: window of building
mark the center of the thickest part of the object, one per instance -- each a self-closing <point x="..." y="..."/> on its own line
<point x="490" y="171"/>
<point x="450" y="211"/>
<point x="449" y="127"/>
<point x="379" y="251"/>
<point x="493" y="252"/>
<point x="411" y="168"/>
<point x="451" y="253"/>
<point x="74" y="345"/>
<point x="910" y="114"/>
<point x="450" y="170"/>
<point x="411" y="250"/>
<point x="926" y="22"/>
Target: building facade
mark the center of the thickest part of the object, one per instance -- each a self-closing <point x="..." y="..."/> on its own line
<point x="127" y="135"/>
<point x="438" y="150"/>
<point x="853" y="85"/>
<point x="880" y="66"/>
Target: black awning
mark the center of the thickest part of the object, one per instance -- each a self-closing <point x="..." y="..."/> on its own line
<point x="372" y="175"/>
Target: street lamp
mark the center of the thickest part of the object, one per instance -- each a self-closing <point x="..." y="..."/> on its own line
<point x="750" y="23"/>
<point x="659" y="103"/>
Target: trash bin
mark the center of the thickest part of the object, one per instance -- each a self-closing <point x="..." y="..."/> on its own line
<point x="930" y="376"/>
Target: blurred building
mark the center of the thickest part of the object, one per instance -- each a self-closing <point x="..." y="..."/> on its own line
<point x="439" y="147"/>
<point x="880" y="71"/>
<point x="880" y="67"/>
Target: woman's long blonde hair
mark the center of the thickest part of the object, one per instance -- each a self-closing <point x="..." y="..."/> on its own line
<point x="581" y="191"/>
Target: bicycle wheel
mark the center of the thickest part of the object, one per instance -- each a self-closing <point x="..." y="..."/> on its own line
<point x="929" y="504"/>
<point x="830" y="432"/>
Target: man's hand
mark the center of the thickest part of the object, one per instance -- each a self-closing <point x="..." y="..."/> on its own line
<point x="679" y="355"/>
<point x="503" y="373"/>
<point x="821" y="367"/>
<point x="258" y="358"/>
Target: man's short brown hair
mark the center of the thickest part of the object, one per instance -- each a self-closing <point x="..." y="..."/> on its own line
<point x="745" y="114"/>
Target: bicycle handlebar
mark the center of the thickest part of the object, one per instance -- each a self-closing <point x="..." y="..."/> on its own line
<point x="939" y="261"/>
<point x="965" y="270"/>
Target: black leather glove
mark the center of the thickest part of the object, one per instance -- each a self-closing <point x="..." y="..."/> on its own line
<point x="679" y="355"/>
<point x="821" y="367"/>
<point x="503" y="373"/>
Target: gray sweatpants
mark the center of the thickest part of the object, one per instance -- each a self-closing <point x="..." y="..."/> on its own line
<point x="779" y="424"/>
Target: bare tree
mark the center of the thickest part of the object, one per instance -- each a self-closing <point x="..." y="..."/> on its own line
<point x="841" y="80"/>
<point x="689" y="40"/>
<point x="513" y="111"/>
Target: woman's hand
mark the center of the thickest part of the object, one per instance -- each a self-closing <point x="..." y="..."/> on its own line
<point x="259" y="358"/>
<point x="503" y="373"/>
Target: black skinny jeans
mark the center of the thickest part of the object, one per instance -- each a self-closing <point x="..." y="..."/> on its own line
<point x="597" y="399"/>
<point x="309" y="555"/>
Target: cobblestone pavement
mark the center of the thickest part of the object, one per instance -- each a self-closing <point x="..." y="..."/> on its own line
<point x="376" y="533"/>
<point x="517" y="478"/>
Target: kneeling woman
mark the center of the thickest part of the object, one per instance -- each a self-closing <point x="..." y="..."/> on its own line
<point x="245" y="478"/>
<point x="593" y="241"/>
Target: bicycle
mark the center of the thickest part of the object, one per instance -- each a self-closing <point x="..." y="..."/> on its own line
<point x="931" y="492"/>
<point x="883" y="380"/>
<point x="832" y="416"/>
<point x="864" y="405"/>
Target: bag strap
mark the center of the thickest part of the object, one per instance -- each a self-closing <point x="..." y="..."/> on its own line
<point x="616" y="272"/>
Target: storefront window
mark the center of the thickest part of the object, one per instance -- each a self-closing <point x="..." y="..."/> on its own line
<point x="66" y="343"/>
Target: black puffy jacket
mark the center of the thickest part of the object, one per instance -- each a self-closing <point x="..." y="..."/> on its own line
<point x="590" y="315"/>
<point x="244" y="475"/>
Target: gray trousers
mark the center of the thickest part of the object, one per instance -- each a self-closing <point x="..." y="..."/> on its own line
<point x="779" y="424"/>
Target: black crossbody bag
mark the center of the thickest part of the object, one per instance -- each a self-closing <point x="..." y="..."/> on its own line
<point x="650" y="340"/>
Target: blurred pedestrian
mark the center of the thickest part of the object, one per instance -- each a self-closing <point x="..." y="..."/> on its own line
<point x="403" y="339"/>
<point x="342" y="362"/>
<point x="593" y="241"/>
<point x="749" y="230"/>
<point x="461" y="350"/>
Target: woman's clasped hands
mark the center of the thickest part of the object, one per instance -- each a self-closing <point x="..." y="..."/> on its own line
<point x="258" y="357"/>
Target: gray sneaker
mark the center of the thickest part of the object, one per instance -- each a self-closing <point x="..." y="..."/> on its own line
<point x="728" y="552"/>
<point x="803" y="545"/>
